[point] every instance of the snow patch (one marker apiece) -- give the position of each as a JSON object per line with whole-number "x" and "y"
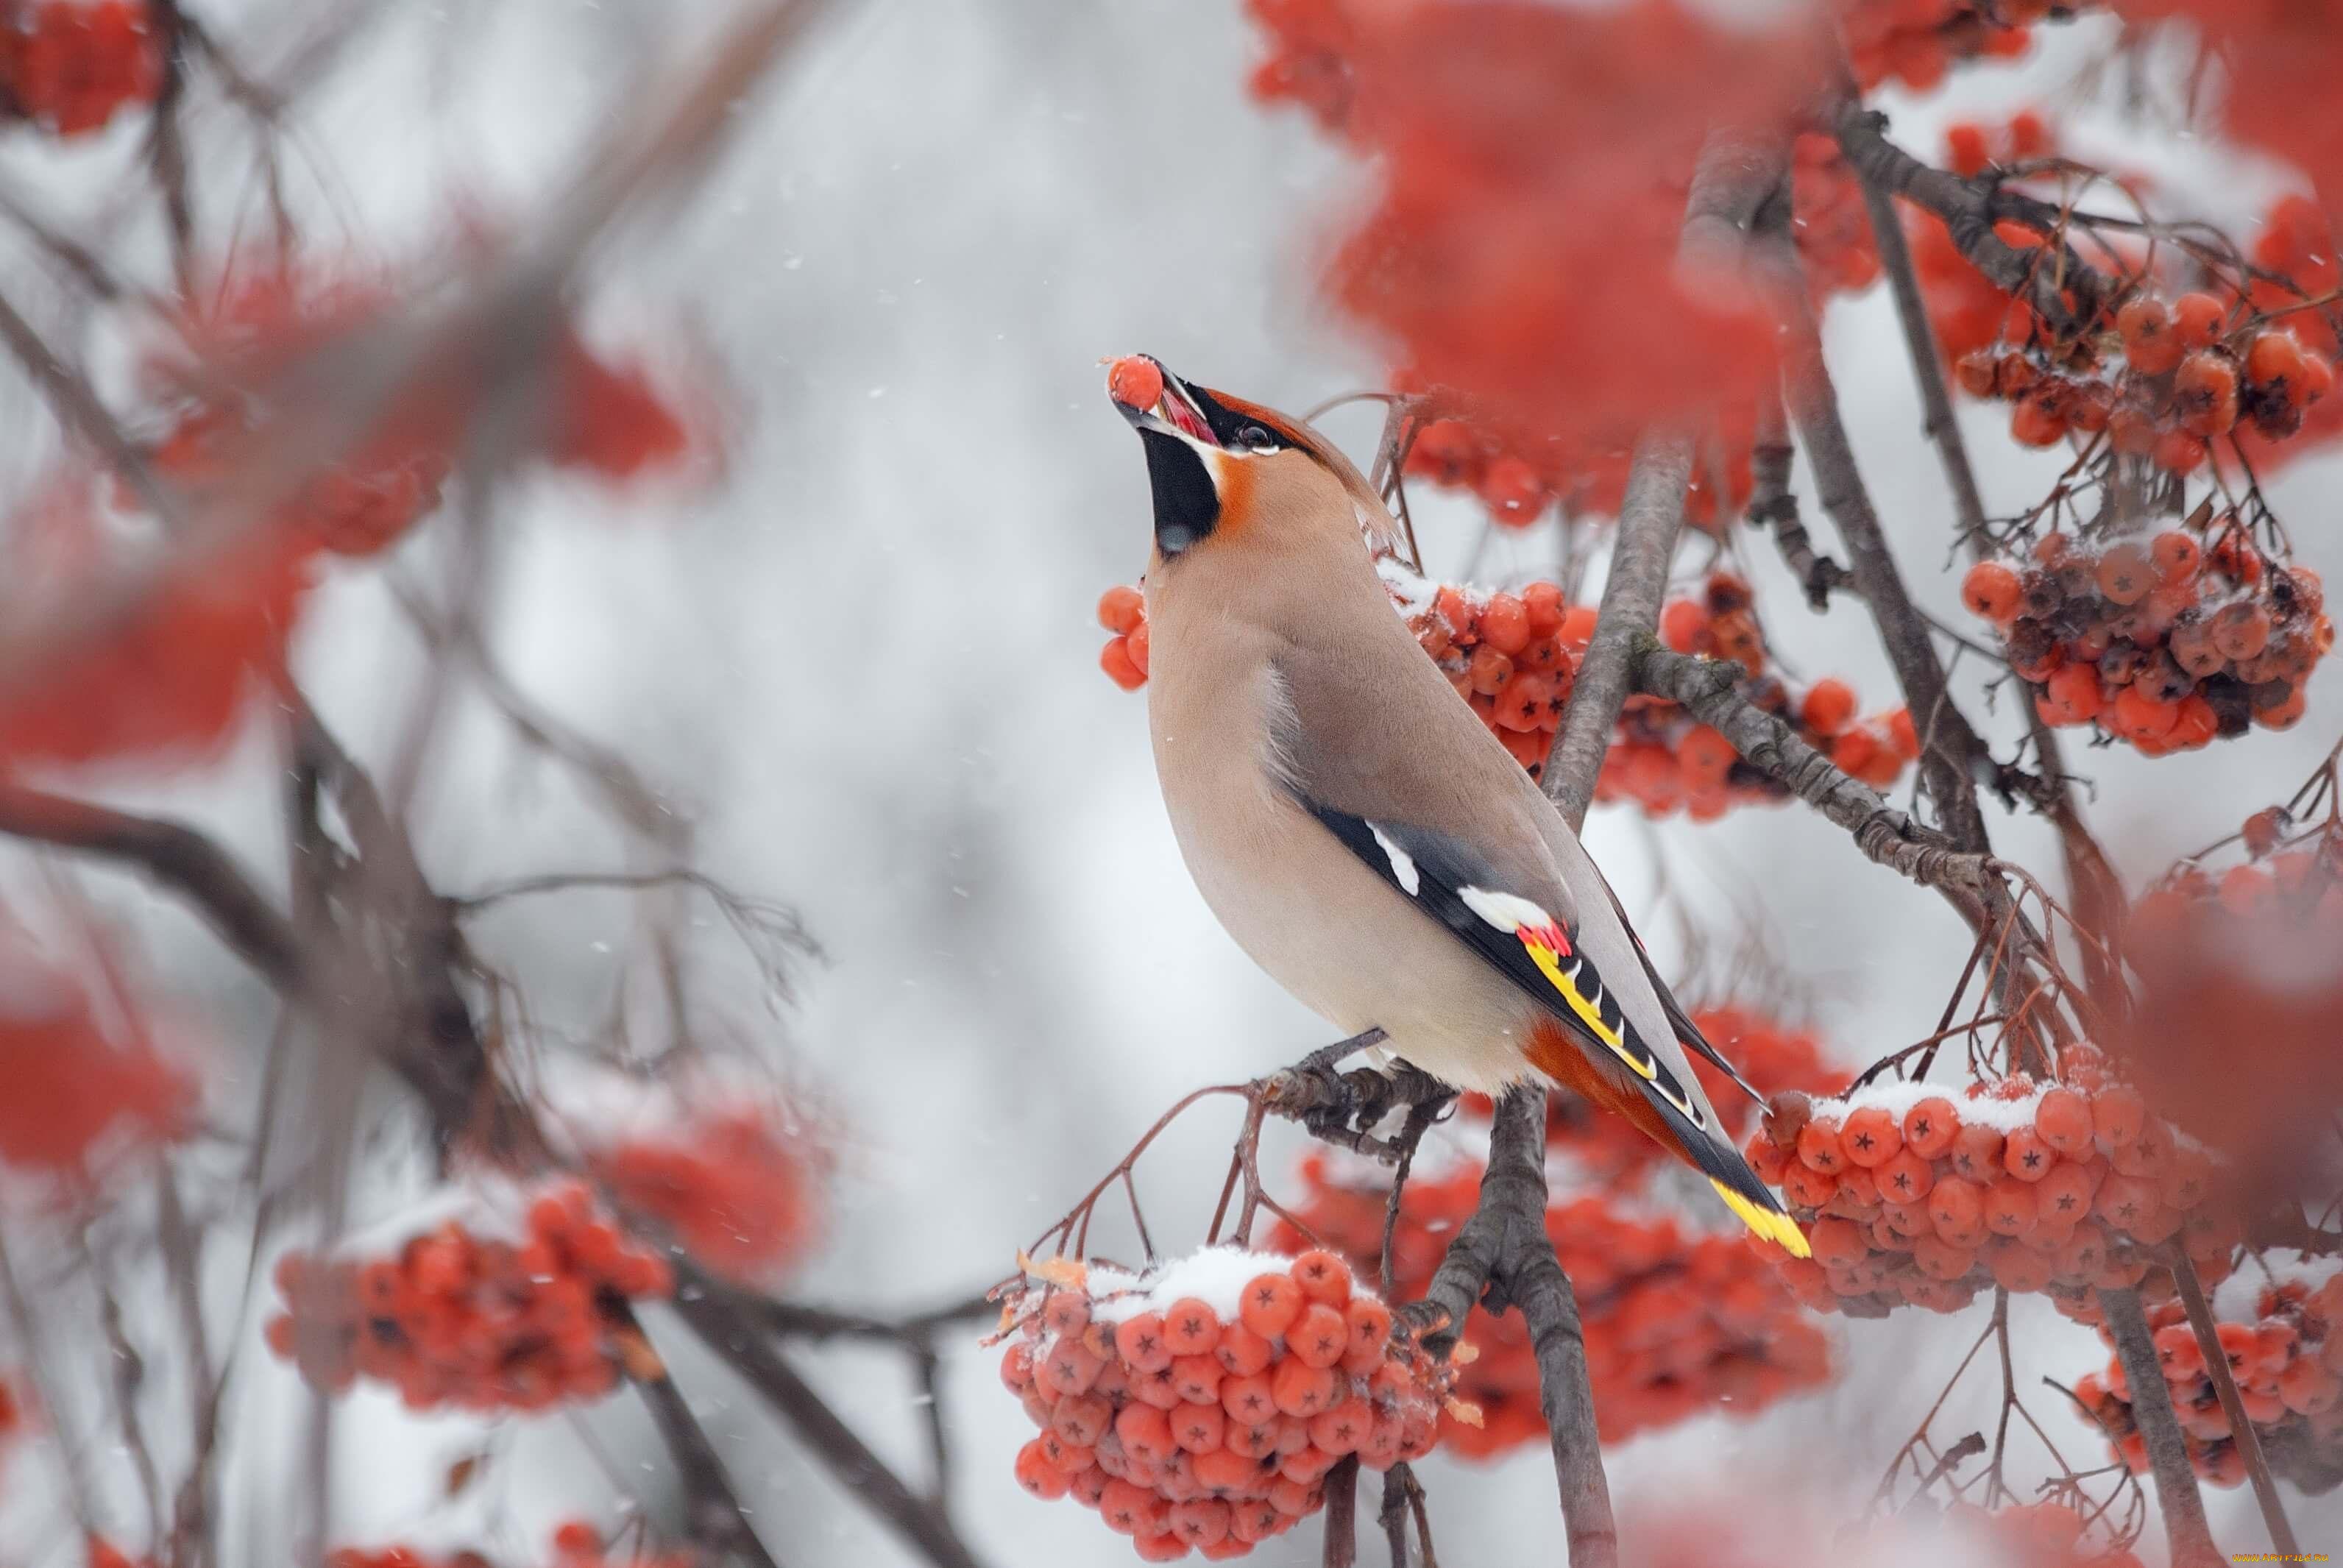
{"x": 1898, "y": 1097}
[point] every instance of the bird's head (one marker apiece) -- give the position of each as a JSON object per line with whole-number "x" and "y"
{"x": 1220, "y": 466}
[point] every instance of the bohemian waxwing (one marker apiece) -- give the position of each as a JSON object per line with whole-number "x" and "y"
{"x": 1354, "y": 826}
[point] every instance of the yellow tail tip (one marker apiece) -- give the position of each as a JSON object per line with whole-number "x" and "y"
{"x": 1770, "y": 1223}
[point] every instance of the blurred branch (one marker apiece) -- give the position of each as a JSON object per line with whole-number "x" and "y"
{"x": 79, "y": 410}
{"x": 917, "y": 1332}
{"x": 717, "y": 1522}
{"x": 726, "y": 1322}
{"x": 166, "y": 144}
{"x": 174, "y": 855}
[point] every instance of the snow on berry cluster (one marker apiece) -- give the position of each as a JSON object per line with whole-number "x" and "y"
{"x": 2286, "y": 1359}
{"x": 1772, "y": 1056}
{"x": 1676, "y": 1322}
{"x": 713, "y": 1158}
{"x": 479, "y": 1310}
{"x": 69, "y": 64}
{"x": 1199, "y": 1406}
{"x": 1912, "y": 1196}
{"x": 2168, "y": 642}
{"x": 575, "y": 1544}
{"x": 1916, "y": 42}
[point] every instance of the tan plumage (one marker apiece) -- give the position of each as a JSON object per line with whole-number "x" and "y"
{"x": 1315, "y": 765}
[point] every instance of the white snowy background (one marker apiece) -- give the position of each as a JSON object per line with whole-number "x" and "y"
{"x": 867, "y": 667}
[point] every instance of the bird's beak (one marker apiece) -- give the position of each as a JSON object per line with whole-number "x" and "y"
{"x": 1174, "y": 412}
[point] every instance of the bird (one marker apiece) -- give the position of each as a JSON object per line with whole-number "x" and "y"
{"x": 1351, "y": 823}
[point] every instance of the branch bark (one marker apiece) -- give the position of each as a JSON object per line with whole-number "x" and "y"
{"x": 2191, "y": 1539}
{"x": 726, "y": 1325}
{"x": 1649, "y": 521}
{"x": 2233, "y": 1405}
{"x": 1967, "y": 212}
{"x": 1773, "y": 505}
{"x": 1709, "y": 689}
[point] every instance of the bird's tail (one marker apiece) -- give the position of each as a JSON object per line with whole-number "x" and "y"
{"x": 1706, "y": 1149}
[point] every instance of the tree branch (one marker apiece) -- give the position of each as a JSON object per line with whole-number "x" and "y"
{"x": 718, "y": 1520}
{"x": 718, "y": 1315}
{"x": 1773, "y": 505}
{"x": 1710, "y": 690}
{"x": 1649, "y": 520}
{"x": 1967, "y": 212}
{"x": 2185, "y": 1529}
{"x": 2233, "y": 1405}
{"x": 178, "y": 857}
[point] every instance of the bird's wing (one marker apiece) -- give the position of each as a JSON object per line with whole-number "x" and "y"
{"x": 1381, "y": 753}
{"x": 1688, "y": 1033}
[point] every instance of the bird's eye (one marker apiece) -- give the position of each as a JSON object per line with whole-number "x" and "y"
{"x": 1256, "y": 438}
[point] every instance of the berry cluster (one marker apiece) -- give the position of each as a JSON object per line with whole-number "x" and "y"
{"x": 602, "y": 417}
{"x": 68, "y": 65}
{"x": 1665, "y": 757}
{"x": 2167, "y": 642}
{"x": 79, "y": 1098}
{"x": 1124, "y": 612}
{"x": 1771, "y": 1057}
{"x": 1911, "y": 1196}
{"x": 2295, "y": 256}
{"x": 2287, "y": 1360}
{"x": 1970, "y": 149}
{"x": 1199, "y": 1406}
{"x": 455, "y": 1318}
{"x": 731, "y": 1187}
{"x": 1916, "y": 42}
{"x": 1674, "y": 1324}
{"x": 1832, "y": 227}
{"x": 1514, "y": 658}
{"x": 2190, "y": 375}
{"x": 575, "y": 1545}
{"x": 2288, "y": 875}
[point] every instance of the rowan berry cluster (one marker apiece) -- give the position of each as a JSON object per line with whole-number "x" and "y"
{"x": 2192, "y": 374}
{"x": 1199, "y": 1405}
{"x": 1773, "y": 1057}
{"x": 2288, "y": 875}
{"x": 1916, "y": 42}
{"x": 1665, "y": 759}
{"x": 1124, "y": 612}
{"x": 1912, "y": 1196}
{"x": 2168, "y": 642}
{"x": 575, "y": 1543}
{"x": 2286, "y": 1359}
{"x": 601, "y": 416}
{"x": 1676, "y": 1324}
{"x": 1971, "y": 148}
{"x": 1832, "y": 226}
{"x": 69, "y": 64}
{"x": 731, "y": 1187}
{"x": 2294, "y": 280}
{"x": 453, "y": 1318}
{"x": 1512, "y": 657}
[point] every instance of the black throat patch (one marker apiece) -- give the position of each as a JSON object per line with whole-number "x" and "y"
{"x": 1186, "y": 504}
